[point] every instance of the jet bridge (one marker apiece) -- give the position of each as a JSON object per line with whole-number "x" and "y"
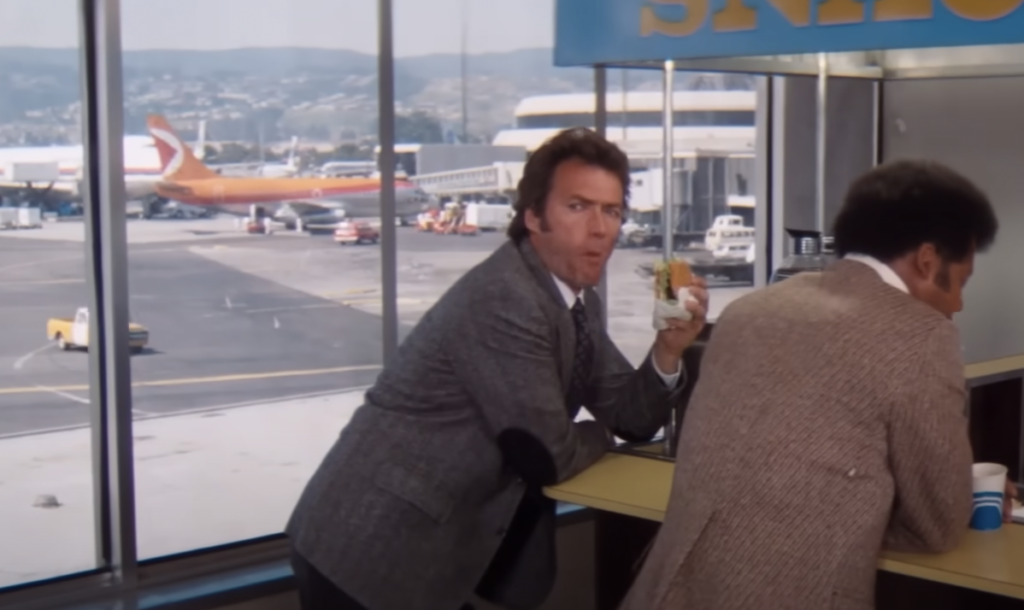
{"x": 499, "y": 178}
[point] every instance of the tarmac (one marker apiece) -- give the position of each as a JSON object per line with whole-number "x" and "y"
{"x": 260, "y": 349}
{"x": 201, "y": 479}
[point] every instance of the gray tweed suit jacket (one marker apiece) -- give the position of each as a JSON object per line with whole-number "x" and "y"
{"x": 412, "y": 502}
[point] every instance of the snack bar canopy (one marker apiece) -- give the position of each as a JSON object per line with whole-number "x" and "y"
{"x": 877, "y": 39}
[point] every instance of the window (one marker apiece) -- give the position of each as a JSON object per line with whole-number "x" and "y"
{"x": 484, "y": 56}
{"x": 46, "y": 451}
{"x": 709, "y": 188}
{"x": 261, "y": 300}
{"x": 251, "y": 278}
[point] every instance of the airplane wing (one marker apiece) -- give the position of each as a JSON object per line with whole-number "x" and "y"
{"x": 303, "y": 207}
{"x": 16, "y": 190}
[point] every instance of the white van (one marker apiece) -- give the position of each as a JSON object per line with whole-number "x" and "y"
{"x": 728, "y": 229}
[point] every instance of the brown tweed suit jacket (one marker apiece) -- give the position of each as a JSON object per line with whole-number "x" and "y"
{"x": 828, "y": 423}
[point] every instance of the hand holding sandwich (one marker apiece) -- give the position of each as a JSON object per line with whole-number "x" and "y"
{"x": 681, "y": 307}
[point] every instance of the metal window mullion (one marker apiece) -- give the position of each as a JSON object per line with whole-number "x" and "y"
{"x": 386, "y": 135}
{"x": 776, "y": 169}
{"x": 821, "y": 148}
{"x": 668, "y": 223}
{"x": 107, "y": 276}
{"x": 877, "y": 123}
{"x": 601, "y": 127}
{"x": 763, "y": 203}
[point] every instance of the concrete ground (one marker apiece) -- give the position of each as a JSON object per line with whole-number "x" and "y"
{"x": 260, "y": 348}
{"x": 202, "y": 479}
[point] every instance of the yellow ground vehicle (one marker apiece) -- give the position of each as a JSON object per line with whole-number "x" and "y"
{"x": 70, "y": 333}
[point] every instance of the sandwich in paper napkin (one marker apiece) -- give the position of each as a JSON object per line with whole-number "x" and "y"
{"x": 672, "y": 280}
{"x": 675, "y": 309}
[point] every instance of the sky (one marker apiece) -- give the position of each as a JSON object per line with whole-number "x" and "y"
{"x": 420, "y": 26}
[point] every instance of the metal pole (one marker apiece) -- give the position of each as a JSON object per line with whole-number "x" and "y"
{"x": 110, "y": 389}
{"x": 667, "y": 139}
{"x": 819, "y": 173}
{"x": 763, "y": 191}
{"x": 388, "y": 247}
{"x": 625, "y": 93}
{"x": 601, "y": 127}
{"x": 876, "y": 118}
{"x": 601, "y": 101}
{"x": 667, "y": 224}
{"x": 465, "y": 71}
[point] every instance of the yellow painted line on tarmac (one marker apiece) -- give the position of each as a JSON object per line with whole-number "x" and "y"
{"x": 39, "y": 282}
{"x": 294, "y": 308}
{"x": 45, "y": 261}
{"x": 330, "y": 294}
{"x": 197, "y": 380}
{"x": 378, "y": 301}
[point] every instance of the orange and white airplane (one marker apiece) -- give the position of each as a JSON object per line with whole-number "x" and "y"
{"x": 188, "y": 180}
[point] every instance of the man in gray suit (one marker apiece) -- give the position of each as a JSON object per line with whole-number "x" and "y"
{"x": 433, "y": 490}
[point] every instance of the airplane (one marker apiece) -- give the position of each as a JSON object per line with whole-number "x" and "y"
{"x": 63, "y": 168}
{"x": 262, "y": 169}
{"x": 282, "y": 170}
{"x": 187, "y": 180}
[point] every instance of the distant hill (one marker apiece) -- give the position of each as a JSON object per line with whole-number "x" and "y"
{"x": 279, "y": 62}
{"x": 314, "y": 93}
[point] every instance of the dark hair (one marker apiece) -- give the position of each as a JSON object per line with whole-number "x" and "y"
{"x": 576, "y": 143}
{"x": 899, "y": 206}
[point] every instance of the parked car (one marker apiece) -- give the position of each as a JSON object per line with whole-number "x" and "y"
{"x": 356, "y": 232}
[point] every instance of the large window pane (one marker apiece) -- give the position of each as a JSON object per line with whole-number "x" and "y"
{"x": 46, "y": 487}
{"x": 462, "y": 80}
{"x": 713, "y": 192}
{"x": 258, "y": 344}
{"x": 489, "y": 95}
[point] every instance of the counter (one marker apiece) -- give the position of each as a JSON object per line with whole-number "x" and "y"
{"x": 634, "y": 486}
{"x": 1011, "y": 365}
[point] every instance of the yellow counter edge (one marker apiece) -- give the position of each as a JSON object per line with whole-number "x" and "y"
{"x": 640, "y": 487}
{"x": 612, "y": 506}
{"x": 994, "y": 367}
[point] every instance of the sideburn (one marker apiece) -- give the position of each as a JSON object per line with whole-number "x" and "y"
{"x": 942, "y": 277}
{"x": 545, "y": 226}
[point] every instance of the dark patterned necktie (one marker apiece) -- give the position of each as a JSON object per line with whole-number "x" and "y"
{"x": 583, "y": 359}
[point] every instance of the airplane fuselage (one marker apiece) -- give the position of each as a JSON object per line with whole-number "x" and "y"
{"x": 357, "y": 197}
{"x": 142, "y": 167}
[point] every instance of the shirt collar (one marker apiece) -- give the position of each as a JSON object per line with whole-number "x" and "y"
{"x": 884, "y": 271}
{"x": 568, "y": 294}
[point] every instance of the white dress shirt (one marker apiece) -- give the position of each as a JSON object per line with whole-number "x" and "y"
{"x": 570, "y": 297}
{"x": 884, "y": 271}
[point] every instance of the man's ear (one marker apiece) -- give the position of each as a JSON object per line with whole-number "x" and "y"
{"x": 927, "y": 262}
{"x": 532, "y": 221}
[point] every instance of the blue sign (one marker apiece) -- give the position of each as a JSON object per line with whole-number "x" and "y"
{"x": 589, "y": 32}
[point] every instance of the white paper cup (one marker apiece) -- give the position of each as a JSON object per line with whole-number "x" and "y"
{"x": 989, "y": 488}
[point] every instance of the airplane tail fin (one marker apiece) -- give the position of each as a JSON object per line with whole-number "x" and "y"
{"x": 292, "y": 152}
{"x": 176, "y": 158}
{"x": 200, "y": 147}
